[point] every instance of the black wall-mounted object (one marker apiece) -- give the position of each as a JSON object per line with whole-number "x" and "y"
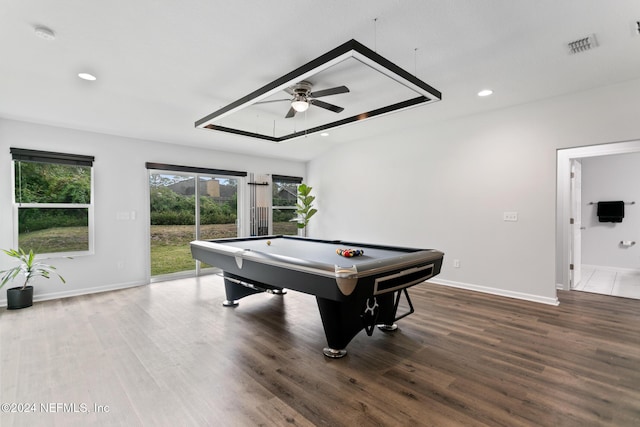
{"x": 610, "y": 211}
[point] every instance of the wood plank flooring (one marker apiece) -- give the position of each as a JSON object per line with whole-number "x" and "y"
{"x": 169, "y": 354}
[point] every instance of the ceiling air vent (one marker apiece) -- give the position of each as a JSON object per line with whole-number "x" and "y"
{"x": 583, "y": 44}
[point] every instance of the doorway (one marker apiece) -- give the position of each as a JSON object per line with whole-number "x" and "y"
{"x": 568, "y": 230}
{"x": 186, "y": 206}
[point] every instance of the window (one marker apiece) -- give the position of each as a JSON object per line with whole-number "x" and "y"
{"x": 284, "y": 198}
{"x": 188, "y": 203}
{"x": 53, "y": 201}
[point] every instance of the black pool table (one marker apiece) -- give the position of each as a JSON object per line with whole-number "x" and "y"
{"x": 353, "y": 293}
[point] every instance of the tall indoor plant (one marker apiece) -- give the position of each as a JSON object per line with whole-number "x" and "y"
{"x": 305, "y": 209}
{"x": 22, "y": 296}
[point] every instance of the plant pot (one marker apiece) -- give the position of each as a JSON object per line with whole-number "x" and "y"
{"x": 19, "y": 297}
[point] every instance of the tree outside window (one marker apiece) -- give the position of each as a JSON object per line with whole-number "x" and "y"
{"x": 53, "y": 201}
{"x": 284, "y": 198}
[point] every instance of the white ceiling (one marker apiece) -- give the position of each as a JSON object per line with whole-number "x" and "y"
{"x": 164, "y": 64}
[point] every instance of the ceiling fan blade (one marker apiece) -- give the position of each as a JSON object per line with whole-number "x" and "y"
{"x": 331, "y": 91}
{"x": 273, "y": 100}
{"x": 326, "y": 106}
{"x": 291, "y": 113}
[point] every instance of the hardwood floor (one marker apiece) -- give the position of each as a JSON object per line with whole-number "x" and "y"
{"x": 169, "y": 354}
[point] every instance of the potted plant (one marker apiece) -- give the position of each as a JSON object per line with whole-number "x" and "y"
{"x": 22, "y": 296}
{"x": 305, "y": 208}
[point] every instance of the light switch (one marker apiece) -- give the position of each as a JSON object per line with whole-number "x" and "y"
{"x": 122, "y": 216}
{"x": 510, "y": 216}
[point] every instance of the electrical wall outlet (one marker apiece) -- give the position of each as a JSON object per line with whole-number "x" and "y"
{"x": 123, "y": 216}
{"x": 456, "y": 263}
{"x": 510, "y": 216}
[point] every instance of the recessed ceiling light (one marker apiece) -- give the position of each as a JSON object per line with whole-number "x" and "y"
{"x": 485, "y": 92}
{"x": 87, "y": 76}
{"x": 45, "y": 33}
{"x": 324, "y": 134}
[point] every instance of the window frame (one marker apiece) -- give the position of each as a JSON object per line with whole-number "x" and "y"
{"x": 89, "y": 206}
{"x": 284, "y": 179}
{"x": 197, "y": 173}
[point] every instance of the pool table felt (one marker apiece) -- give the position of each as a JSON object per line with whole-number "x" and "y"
{"x": 316, "y": 251}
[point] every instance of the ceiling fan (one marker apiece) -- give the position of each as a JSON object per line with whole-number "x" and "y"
{"x": 302, "y": 98}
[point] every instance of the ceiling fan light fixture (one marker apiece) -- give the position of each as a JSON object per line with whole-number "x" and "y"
{"x": 293, "y": 83}
{"x": 300, "y": 104}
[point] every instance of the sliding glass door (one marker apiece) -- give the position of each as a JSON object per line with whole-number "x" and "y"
{"x": 186, "y": 207}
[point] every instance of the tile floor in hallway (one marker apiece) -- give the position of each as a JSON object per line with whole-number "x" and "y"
{"x": 610, "y": 281}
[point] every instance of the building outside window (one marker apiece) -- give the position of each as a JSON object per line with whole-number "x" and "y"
{"x": 189, "y": 203}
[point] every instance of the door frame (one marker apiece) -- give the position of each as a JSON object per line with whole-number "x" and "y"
{"x": 564, "y": 157}
{"x": 241, "y": 221}
{"x": 575, "y": 249}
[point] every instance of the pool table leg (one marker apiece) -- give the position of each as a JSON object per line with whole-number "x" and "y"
{"x": 387, "y": 315}
{"x": 390, "y": 316}
{"x": 333, "y": 353}
{"x": 344, "y": 320}
{"x": 230, "y": 303}
{"x": 386, "y": 318}
{"x": 341, "y": 322}
{"x": 236, "y": 288}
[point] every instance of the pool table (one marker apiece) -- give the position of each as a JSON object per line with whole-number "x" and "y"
{"x": 353, "y": 293}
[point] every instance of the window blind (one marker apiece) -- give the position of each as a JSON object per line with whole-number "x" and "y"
{"x": 193, "y": 169}
{"x": 284, "y": 178}
{"x": 37, "y": 156}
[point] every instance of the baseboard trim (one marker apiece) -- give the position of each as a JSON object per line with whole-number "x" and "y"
{"x": 438, "y": 281}
{"x": 78, "y": 292}
{"x": 496, "y": 291}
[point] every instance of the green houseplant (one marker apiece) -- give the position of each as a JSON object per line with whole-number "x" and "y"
{"x": 22, "y": 296}
{"x": 305, "y": 209}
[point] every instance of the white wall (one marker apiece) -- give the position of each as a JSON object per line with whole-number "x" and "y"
{"x": 446, "y": 185}
{"x": 606, "y": 178}
{"x": 121, "y": 185}
{"x": 436, "y": 185}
